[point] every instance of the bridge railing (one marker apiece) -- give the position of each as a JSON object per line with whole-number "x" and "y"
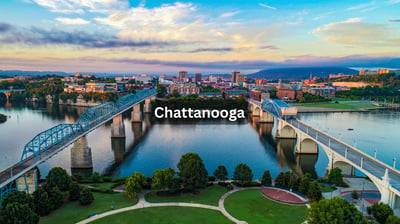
{"x": 58, "y": 136}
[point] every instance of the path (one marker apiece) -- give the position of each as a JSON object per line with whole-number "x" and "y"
{"x": 142, "y": 203}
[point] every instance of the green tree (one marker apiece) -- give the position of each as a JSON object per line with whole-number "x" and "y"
{"x": 335, "y": 210}
{"x": 17, "y": 213}
{"x": 175, "y": 93}
{"x": 96, "y": 178}
{"x": 162, "y": 179}
{"x": 280, "y": 180}
{"x": 19, "y": 197}
{"x": 314, "y": 191}
{"x": 304, "y": 185}
{"x": 74, "y": 191}
{"x": 354, "y": 194}
{"x": 86, "y": 196}
{"x": 43, "y": 205}
{"x": 161, "y": 90}
{"x": 243, "y": 173}
{"x": 56, "y": 197}
{"x": 58, "y": 177}
{"x": 381, "y": 212}
{"x": 393, "y": 220}
{"x": 221, "y": 173}
{"x": 192, "y": 171}
{"x": 134, "y": 184}
{"x": 266, "y": 178}
{"x": 335, "y": 176}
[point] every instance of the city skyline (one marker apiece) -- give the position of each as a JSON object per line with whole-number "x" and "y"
{"x": 117, "y": 36}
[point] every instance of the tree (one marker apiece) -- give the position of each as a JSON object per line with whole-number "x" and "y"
{"x": 393, "y": 220}
{"x": 96, "y": 178}
{"x": 56, "y": 197}
{"x": 17, "y": 213}
{"x": 335, "y": 210}
{"x": 221, "y": 173}
{"x": 19, "y": 197}
{"x": 74, "y": 191}
{"x": 314, "y": 191}
{"x": 161, "y": 90}
{"x": 134, "y": 184}
{"x": 354, "y": 194}
{"x": 243, "y": 173}
{"x": 280, "y": 180}
{"x": 162, "y": 179}
{"x": 381, "y": 212}
{"x": 304, "y": 185}
{"x": 266, "y": 178}
{"x": 86, "y": 196}
{"x": 175, "y": 93}
{"x": 335, "y": 176}
{"x": 43, "y": 205}
{"x": 192, "y": 171}
{"x": 58, "y": 177}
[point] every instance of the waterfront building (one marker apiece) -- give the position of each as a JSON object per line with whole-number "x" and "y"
{"x": 328, "y": 92}
{"x": 289, "y": 91}
{"x": 184, "y": 88}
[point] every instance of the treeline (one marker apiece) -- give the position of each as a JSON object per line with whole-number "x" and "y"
{"x": 311, "y": 98}
{"x": 195, "y": 102}
{"x": 102, "y": 97}
{"x": 375, "y": 93}
{"x": 388, "y": 80}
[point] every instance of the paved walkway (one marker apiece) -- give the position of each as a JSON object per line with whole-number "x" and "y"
{"x": 142, "y": 203}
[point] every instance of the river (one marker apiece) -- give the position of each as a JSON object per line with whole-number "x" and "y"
{"x": 157, "y": 144}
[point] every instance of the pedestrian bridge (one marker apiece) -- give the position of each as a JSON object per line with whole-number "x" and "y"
{"x": 22, "y": 175}
{"x": 340, "y": 154}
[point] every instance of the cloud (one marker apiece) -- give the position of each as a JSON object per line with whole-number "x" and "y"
{"x": 266, "y": 6}
{"x": 226, "y": 49}
{"x": 72, "y": 21}
{"x": 392, "y": 2}
{"x": 80, "y": 6}
{"x": 356, "y": 32}
{"x": 229, "y": 14}
{"x": 4, "y": 27}
{"x": 38, "y": 36}
{"x": 271, "y": 47}
{"x": 362, "y": 6}
{"x": 168, "y": 22}
{"x": 393, "y": 20}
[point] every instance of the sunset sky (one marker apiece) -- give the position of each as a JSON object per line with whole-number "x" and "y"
{"x": 121, "y": 36}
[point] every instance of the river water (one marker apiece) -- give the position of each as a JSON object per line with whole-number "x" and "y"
{"x": 157, "y": 144}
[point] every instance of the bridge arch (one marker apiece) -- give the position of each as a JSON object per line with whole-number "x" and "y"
{"x": 257, "y": 111}
{"x": 286, "y": 132}
{"x": 308, "y": 146}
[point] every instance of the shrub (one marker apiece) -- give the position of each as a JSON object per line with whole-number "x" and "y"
{"x": 354, "y": 194}
{"x": 381, "y": 212}
{"x": 74, "y": 191}
{"x": 58, "y": 177}
{"x": 19, "y": 197}
{"x": 43, "y": 205}
{"x": 86, "y": 196}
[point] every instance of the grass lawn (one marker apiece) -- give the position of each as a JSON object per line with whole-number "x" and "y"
{"x": 209, "y": 196}
{"x": 104, "y": 186}
{"x": 329, "y": 105}
{"x": 166, "y": 215}
{"x": 326, "y": 188}
{"x": 72, "y": 212}
{"x": 251, "y": 206}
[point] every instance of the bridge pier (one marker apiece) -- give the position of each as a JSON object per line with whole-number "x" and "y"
{"x": 81, "y": 158}
{"x": 147, "y": 105}
{"x": 118, "y": 127}
{"x": 136, "y": 115}
{"x": 28, "y": 182}
{"x": 137, "y": 131}
{"x": 266, "y": 117}
{"x": 265, "y": 129}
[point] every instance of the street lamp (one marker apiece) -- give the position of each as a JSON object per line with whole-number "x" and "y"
{"x": 375, "y": 153}
{"x": 394, "y": 162}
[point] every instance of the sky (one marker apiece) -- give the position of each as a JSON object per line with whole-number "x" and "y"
{"x": 129, "y": 36}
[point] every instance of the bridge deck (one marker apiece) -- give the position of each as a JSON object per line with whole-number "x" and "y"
{"x": 370, "y": 164}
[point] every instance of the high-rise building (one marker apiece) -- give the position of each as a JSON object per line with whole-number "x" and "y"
{"x": 183, "y": 76}
{"x": 234, "y": 76}
{"x": 240, "y": 79}
{"x": 197, "y": 77}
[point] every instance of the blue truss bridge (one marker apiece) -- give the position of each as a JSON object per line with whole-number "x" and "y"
{"x": 49, "y": 142}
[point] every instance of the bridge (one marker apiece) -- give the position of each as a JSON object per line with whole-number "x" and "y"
{"x": 22, "y": 175}
{"x": 309, "y": 140}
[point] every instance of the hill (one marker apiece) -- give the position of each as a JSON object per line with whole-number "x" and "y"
{"x": 31, "y": 73}
{"x": 301, "y": 72}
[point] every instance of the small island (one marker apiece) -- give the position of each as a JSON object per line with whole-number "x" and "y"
{"x": 3, "y": 118}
